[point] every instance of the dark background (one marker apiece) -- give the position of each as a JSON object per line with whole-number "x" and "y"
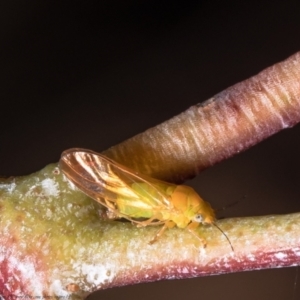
{"x": 84, "y": 74}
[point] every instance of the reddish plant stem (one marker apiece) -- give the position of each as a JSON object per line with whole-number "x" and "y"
{"x": 224, "y": 125}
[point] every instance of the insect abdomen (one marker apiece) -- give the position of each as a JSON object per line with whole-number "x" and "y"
{"x": 133, "y": 208}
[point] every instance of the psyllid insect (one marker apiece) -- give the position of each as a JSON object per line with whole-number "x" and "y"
{"x": 138, "y": 198}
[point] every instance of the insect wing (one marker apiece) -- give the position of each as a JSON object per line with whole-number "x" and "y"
{"x": 101, "y": 178}
{"x": 80, "y": 168}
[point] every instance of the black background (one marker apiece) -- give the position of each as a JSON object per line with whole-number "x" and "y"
{"x": 84, "y": 74}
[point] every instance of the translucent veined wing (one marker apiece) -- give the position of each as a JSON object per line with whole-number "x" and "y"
{"x": 110, "y": 183}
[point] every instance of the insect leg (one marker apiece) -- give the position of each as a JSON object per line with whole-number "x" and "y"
{"x": 168, "y": 224}
{"x": 191, "y": 228}
{"x": 111, "y": 212}
{"x": 150, "y": 221}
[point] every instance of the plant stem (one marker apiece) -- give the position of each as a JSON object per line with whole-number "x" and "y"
{"x": 54, "y": 242}
{"x": 228, "y": 123}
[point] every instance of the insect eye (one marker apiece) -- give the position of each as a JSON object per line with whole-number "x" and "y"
{"x": 198, "y": 218}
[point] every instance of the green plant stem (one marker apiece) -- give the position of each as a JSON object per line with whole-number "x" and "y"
{"x": 54, "y": 243}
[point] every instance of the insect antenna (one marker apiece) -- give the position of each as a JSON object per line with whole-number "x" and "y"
{"x": 231, "y": 204}
{"x": 224, "y": 235}
{"x": 295, "y": 283}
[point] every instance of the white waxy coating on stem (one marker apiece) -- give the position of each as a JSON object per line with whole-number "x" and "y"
{"x": 50, "y": 187}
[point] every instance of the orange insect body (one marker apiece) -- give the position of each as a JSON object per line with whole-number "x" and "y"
{"x": 141, "y": 199}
